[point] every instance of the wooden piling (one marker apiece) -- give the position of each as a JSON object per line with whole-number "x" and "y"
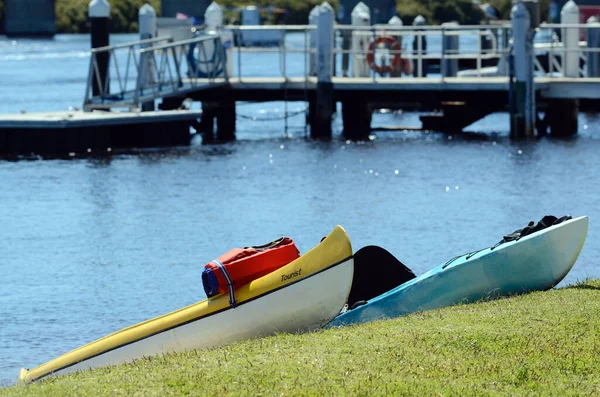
{"x": 561, "y": 117}
{"x": 147, "y": 28}
{"x": 226, "y": 117}
{"x": 207, "y": 121}
{"x": 99, "y": 14}
{"x": 321, "y": 127}
{"x": 562, "y": 114}
{"x": 356, "y": 116}
{"x": 522, "y": 117}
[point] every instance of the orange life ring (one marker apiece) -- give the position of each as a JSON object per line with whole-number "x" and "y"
{"x": 394, "y": 46}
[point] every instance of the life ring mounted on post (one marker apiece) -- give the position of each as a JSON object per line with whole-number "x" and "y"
{"x": 396, "y": 59}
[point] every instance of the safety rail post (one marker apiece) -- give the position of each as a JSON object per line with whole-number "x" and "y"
{"x": 99, "y": 14}
{"x": 450, "y": 42}
{"x": 395, "y": 23}
{"x": 486, "y": 47}
{"x": 360, "y": 39}
{"x": 570, "y": 16}
{"x": 321, "y": 122}
{"x": 420, "y": 65}
{"x": 147, "y": 29}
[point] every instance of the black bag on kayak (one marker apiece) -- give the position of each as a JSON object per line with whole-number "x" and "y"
{"x": 532, "y": 227}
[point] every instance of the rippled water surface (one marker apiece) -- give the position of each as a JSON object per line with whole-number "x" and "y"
{"x": 90, "y": 245}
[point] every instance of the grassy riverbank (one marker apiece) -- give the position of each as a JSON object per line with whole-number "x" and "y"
{"x": 545, "y": 343}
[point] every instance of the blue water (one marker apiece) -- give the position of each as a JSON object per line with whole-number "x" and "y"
{"x": 90, "y": 245}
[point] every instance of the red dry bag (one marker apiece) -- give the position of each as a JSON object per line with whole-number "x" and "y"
{"x": 242, "y": 265}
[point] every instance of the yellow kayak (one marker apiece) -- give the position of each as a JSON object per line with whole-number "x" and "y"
{"x": 300, "y": 296}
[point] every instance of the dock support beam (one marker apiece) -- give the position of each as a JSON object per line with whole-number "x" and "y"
{"x": 99, "y": 14}
{"x": 147, "y": 28}
{"x": 356, "y": 116}
{"x": 226, "y": 121}
{"x": 321, "y": 122}
{"x": 207, "y": 122}
{"x": 561, "y": 117}
{"x": 522, "y": 116}
{"x": 562, "y": 114}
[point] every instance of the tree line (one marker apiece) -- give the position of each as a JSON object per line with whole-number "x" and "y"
{"x": 71, "y": 15}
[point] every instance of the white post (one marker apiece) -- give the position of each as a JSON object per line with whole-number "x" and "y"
{"x": 215, "y": 22}
{"x": 313, "y": 18}
{"x": 420, "y": 65}
{"x": 360, "y": 16}
{"x": 213, "y": 17}
{"x": 396, "y": 22}
{"x": 147, "y": 29}
{"x": 523, "y": 120}
{"x": 147, "y": 22}
{"x": 593, "y": 43}
{"x": 325, "y": 42}
{"x": 570, "y": 15}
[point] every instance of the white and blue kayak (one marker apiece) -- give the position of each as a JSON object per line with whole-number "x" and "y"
{"x": 535, "y": 258}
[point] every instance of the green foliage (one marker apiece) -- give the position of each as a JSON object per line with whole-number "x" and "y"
{"x": 436, "y": 12}
{"x": 298, "y": 10}
{"x": 464, "y": 12}
{"x": 540, "y": 344}
{"x": 71, "y": 15}
{"x": 408, "y": 10}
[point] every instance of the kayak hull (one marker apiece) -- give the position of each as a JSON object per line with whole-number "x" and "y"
{"x": 303, "y": 295}
{"x": 536, "y": 262}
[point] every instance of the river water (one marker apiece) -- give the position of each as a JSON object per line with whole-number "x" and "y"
{"x": 92, "y": 244}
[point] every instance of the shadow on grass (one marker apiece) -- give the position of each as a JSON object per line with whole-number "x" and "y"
{"x": 587, "y": 283}
{"x": 585, "y": 286}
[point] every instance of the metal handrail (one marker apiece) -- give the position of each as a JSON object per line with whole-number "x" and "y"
{"x": 132, "y": 44}
{"x": 156, "y": 69}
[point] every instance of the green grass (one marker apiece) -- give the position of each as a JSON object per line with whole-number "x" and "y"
{"x": 540, "y": 344}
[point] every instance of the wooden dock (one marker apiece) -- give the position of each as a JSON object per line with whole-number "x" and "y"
{"x": 92, "y": 133}
{"x": 201, "y": 68}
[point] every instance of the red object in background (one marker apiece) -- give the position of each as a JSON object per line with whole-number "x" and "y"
{"x": 585, "y": 12}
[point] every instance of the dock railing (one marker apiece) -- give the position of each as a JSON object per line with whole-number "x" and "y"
{"x": 436, "y": 52}
{"x": 146, "y": 70}
{"x": 564, "y": 61}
